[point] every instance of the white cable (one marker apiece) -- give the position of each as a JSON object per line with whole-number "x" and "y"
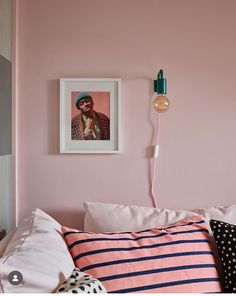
{"x": 155, "y": 155}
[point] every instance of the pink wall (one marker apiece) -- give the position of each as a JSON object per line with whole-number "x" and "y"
{"x": 192, "y": 40}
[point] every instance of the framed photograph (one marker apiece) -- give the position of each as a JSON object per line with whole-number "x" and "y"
{"x": 90, "y": 115}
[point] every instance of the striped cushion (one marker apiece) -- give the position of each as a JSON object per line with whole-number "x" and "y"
{"x": 172, "y": 259}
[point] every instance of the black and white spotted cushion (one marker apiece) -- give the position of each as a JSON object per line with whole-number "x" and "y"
{"x": 225, "y": 237}
{"x": 80, "y": 282}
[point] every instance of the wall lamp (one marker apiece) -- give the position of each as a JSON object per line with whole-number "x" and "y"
{"x": 161, "y": 102}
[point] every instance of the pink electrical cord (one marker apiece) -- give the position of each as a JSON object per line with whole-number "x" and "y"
{"x": 155, "y": 155}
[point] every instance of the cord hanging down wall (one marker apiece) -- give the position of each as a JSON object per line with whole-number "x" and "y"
{"x": 161, "y": 105}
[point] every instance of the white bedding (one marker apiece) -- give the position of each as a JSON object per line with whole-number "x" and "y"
{"x": 36, "y": 248}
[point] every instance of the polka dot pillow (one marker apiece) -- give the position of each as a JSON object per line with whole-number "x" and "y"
{"x": 225, "y": 237}
{"x": 81, "y": 283}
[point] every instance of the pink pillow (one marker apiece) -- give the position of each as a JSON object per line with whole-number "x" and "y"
{"x": 171, "y": 259}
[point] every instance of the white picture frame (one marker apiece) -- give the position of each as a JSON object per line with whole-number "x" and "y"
{"x": 106, "y": 98}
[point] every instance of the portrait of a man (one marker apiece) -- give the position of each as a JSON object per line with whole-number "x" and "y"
{"x": 87, "y": 122}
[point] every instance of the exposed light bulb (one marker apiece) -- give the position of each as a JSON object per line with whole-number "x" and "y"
{"x": 161, "y": 103}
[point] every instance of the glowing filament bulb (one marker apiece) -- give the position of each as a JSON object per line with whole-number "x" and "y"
{"x": 161, "y": 103}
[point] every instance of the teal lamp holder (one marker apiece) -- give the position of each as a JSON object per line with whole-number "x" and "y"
{"x": 160, "y": 84}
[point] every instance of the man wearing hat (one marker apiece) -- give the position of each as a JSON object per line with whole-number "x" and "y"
{"x": 89, "y": 124}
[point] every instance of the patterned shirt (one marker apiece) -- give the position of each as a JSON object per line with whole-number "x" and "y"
{"x": 92, "y": 133}
{"x": 78, "y": 127}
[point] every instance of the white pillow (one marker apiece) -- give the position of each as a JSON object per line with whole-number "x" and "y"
{"x": 102, "y": 217}
{"x": 39, "y": 252}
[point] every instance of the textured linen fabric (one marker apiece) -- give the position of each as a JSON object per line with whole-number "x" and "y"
{"x": 39, "y": 252}
{"x": 173, "y": 259}
{"x": 5, "y": 241}
{"x": 81, "y": 282}
{"x": 225, "y": 236}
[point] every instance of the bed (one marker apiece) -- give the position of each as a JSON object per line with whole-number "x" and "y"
{"x": 128, "y": 249}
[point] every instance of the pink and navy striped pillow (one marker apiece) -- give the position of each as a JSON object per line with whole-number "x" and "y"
{"x": 172, "y": 259}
